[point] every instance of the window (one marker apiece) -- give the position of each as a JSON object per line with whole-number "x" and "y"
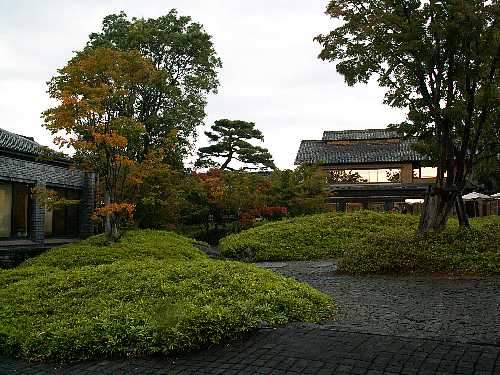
{"x": 359, "y": 176}
{"x": 425, "y": 172}
{"x": 20, "y": 197}
{"x": 63, "y": 220}
{"x": 14, "y": 207}
{"x": 5, "y": 210}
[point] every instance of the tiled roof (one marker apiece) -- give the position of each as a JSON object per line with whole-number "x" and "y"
{"x": 321, "y": 152}
{"x": 345, "y": 135}
{"x": 18, "y": 143}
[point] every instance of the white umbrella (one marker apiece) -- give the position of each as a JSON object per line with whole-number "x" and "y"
{"x": 414, "y": 201}
{"x": 473, "y": 196}
{"x": 496, "y": 196}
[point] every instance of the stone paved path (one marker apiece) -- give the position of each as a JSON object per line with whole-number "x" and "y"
{"x": 450, "y": 308}
{"x": 386, "y": 325}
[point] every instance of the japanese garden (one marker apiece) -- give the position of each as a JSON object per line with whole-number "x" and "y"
{"x": 147, "y": 239}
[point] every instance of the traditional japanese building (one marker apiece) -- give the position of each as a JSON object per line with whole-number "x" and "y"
{"x": 373, "y": 168}
{"x": 26, "y": 226}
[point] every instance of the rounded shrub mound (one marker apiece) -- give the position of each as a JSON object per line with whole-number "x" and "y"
{"x": 369, "y": 242}
{"x": 473, "y": 251}
{"x": 310, "y": 237}
{"x": 134, "y": 245}
{"x": 154, "y": 300}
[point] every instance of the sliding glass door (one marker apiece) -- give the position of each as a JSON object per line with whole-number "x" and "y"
{"x": 14, "y": 210}
{"x": 5, "y": 209}
{"x": 20, "y": 196}
{"x": 63, "y": 221}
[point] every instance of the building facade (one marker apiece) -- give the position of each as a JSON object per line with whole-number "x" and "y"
{"x": 26, "y": 225}
{"x": 372, "y": 169}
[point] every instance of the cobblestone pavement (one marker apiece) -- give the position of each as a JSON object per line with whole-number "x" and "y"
{"x": 385, "y": 325}
{"x": 300, "y": 349}
{"x": 451, "y": 308}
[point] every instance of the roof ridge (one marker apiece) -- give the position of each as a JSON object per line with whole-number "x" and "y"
{"x": 359, "y": 130}
{"x": 17, "y": 142}
{"x": 359, "y": 134}
{"x": 31, "y": 139}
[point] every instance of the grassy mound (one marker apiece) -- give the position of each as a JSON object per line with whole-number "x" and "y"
{"x": 369, "y": 242}
{"x": 475, "y": 251}
{"x": 310, "y": 237}
{"x": 151, "y": 293}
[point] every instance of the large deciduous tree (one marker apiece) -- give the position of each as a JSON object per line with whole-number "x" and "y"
{"x": 185, "y": 53}
{"x": 97, "y": 93}
{"x": 230, "y": 142}
{"x": 438, "y": 59}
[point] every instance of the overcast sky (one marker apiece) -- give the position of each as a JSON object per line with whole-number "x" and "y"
{"x": 270, "y": 75}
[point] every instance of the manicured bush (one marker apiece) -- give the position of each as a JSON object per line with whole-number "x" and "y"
{"x": 134, "y": 245}
{"x": 309, "y": 237}
{"x": 151, "y": 293}
{"x": 475, "y": 251}
{"x": 369, "y": 242}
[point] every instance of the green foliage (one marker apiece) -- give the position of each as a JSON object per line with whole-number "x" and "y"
{"x": 210, "y": 205}
{"x": 454, "y": 250}
{"x": 150, "y": 293}
{"x": 134, "y": 245}
{"x": 487, "y": 174}
{"x": 309, "y": 237}
{"x": 184, "y": 53}
{"x": 51, "y": 199}
{"x": 369, "y": 242}
{"x": 161, "y": 196}
{"x": 301, "y": 190}
{"x": 440, "y": 60}
{"x": 230, "y": 141}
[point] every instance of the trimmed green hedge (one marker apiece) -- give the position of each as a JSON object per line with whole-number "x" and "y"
{"x": 310, "y": 237}
{"x": 135, "y": 245}
{"x": 369, "y": 242}
{"x": 151, "y": 293}
{"x": 475, "y": 251}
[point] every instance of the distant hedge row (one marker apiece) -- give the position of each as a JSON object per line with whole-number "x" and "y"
{"x": 369, "y": 242}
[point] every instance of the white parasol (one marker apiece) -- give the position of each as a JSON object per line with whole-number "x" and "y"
{"x": 473, "y": 196}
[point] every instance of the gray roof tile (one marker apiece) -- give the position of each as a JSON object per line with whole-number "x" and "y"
{"x": 18, "y": 143}
{"x": 321, "y": 152}
{"x": 344, "y": 135}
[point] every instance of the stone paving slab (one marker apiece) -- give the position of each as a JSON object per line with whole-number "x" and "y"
{"x": 298, "y": 349}
{"x": 463, "y": 309}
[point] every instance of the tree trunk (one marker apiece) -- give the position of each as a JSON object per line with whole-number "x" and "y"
{"x": 438, "y": 205}
{"x": 437, "y": 208}
{"x": 463, "y": 219}
{"x": 110, "y": 224}
{"x": 228, "y": 160}
{"x": 115, "y": 233}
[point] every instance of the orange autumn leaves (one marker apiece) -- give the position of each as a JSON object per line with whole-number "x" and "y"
{"x": 97, "y": 94}
{"x": 122, "y": 209}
